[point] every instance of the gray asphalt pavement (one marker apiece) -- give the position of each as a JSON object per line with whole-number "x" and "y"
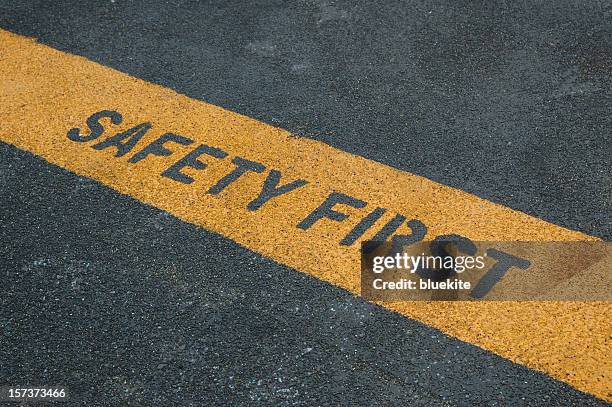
{"x": 129, "y": 306}
{"x": 508, "y": 100}
{"x": 126, "y": 305}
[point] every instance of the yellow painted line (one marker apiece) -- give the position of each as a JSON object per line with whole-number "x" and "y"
{"x": 47, "y": 95}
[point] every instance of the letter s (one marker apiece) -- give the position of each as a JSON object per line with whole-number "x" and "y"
{"x": 93, "y": 122}
{"x": 480, "y": 262}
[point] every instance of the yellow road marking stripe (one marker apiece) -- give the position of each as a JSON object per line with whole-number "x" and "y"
{"x": 44, "y": 93}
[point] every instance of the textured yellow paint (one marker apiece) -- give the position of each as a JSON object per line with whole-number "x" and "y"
{"x": 45, "y": 92}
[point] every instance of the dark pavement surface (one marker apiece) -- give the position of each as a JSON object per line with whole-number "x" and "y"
{"x": 129, "y": 306}
{"x": 507, "y": 100}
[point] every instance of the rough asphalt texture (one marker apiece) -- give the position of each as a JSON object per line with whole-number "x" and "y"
{"x": 127, "y": 305}
{"x": 507, "y": 100}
